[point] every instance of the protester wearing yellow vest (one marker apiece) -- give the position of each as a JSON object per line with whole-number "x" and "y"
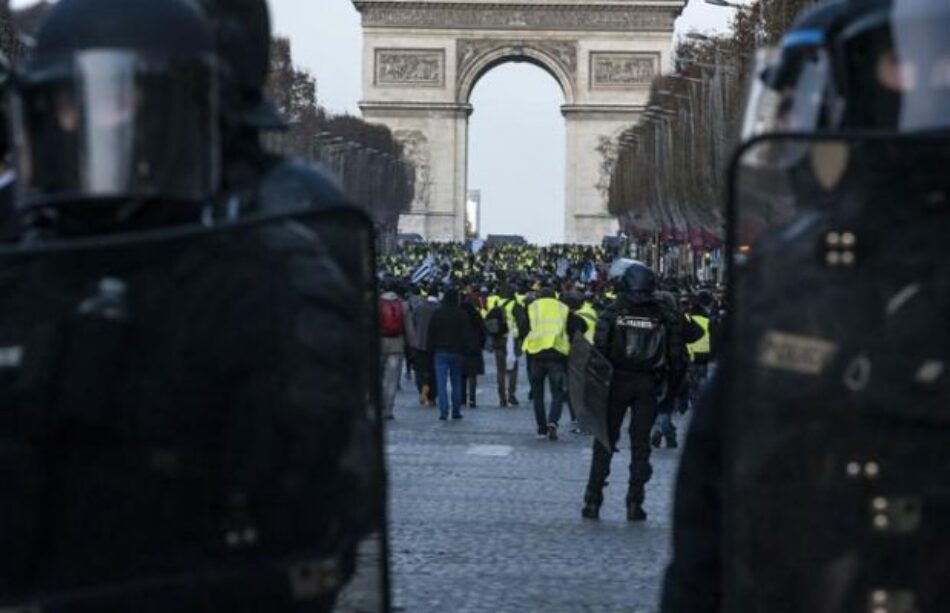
{"x": 551, "y": 325}
{"x": 589, "y": 315}
{"x": 699, "y": 351}
{"x": 504, "y": 343}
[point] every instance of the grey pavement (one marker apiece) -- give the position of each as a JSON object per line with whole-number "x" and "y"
{"x": 485, "y": 517}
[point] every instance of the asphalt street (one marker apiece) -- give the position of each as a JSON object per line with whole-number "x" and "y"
{"x": 485, "y": 517}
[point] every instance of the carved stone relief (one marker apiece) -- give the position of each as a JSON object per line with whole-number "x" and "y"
{"x": 622, "y": 69}
{"x": 564, "y": 52}
{"x": 521, "y": 17}
{"x": 416, "y": 147}
{"x": 412, "y": 67}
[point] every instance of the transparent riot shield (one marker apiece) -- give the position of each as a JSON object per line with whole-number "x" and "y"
{"x": 837, "y": 397}
{"x": 191, "y": 421}
{"x": 589, "y": 375}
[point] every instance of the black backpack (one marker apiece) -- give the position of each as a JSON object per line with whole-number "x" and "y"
{"x": 496, "y": 322}
{"x": 640, "y": 341}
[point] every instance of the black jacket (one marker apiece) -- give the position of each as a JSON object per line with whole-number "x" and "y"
{"x": 450, "y": 331}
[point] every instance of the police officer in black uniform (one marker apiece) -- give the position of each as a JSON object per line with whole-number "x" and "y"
{"x": 640, "y": 338}
{"x": 172, "y": 437}
{"x": 821, "y": 446}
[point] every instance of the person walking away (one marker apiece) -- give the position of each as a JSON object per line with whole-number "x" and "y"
{"x": 518, "y": 327}
{"x": 421, "y": 318}
{"x": 392, "y": 330}
{"x": 551, "y": 324}
{"x": 474, "y": 362}
{"x": 413, "y": 300}
{"x": 701, "y": 351}
{"x": 575, "y": 301}
{"x": 498, "y": 329}
{"x": 449, "y": 336}
{"x": 675, "y": 392}
{"x": 635, "y": 334}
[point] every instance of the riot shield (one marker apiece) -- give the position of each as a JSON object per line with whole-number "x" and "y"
{"x": 588, "y": 384}
{"x": 191, "y": 421}
{"x": 837, "y": 463}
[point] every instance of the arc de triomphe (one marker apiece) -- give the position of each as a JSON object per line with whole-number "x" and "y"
{"x": 422, "y": 59}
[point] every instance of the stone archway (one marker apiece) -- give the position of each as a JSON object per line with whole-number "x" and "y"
{"x": 423, "y": 58}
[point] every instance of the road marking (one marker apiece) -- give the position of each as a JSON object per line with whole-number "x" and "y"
{"x": 492, "y": 451}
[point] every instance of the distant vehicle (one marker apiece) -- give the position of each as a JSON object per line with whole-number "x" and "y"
{"x": 497, "y": 240}
{"x": 404, "y": 239}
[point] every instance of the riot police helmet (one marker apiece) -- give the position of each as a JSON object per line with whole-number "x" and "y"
{"x": 893, "y": 61}
{"x": 242, "y": 33}
{"x": 633, "y": 279}
{"x": 117, "y": 102}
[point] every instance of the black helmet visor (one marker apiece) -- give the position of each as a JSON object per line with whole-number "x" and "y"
{"x": 112, "y": 124}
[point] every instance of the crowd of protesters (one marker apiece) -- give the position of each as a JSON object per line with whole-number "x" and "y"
{"x": 445, "y": 305}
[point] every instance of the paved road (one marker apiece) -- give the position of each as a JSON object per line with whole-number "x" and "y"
{"x": 486, "y": 518}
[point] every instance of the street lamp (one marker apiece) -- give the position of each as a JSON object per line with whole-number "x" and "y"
{"x": 694, "y": 35}
{"x": 680, "y": 77}
{"x": 726, "y": 4}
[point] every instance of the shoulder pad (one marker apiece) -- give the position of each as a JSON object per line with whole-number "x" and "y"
{"x": 294, "y": 184}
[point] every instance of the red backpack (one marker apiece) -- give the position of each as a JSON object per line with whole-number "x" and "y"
{"x": 391, "y": 318}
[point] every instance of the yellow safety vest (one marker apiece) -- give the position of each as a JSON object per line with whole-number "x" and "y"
{"x": 589, "y": 315}
{"x": 548, "y": 318}
{"x": 509, "y": 307}
{"x": 490, "y": 304}
{"x": 702, "y": 345}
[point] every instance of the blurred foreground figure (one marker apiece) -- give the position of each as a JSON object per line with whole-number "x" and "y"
{"x": 816, "y": 475}
{"x": 174, "y": 436}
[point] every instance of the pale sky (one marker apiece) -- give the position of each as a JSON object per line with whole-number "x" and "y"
{"x": 517, "y": 132}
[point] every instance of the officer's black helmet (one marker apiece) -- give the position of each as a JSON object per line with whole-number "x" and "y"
{"x": 633, "y": 278}
{"x": 118, "y": 102}
{"x": 242, "y": 31}
{"x": 892, "y": 58}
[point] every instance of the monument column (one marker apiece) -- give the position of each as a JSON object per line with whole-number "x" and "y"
{"x": 435, "y": 138}
{"x": 591, "y": 132}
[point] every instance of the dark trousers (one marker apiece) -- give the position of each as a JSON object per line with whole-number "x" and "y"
{"x": 425, "y": 371}
{"x": 469, "y": 383}
{"x": 555, "y": 372}
{"x": 636, "y": 390}
{"x": 507, "y": 379}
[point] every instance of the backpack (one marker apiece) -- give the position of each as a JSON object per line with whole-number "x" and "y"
{"x": 640, "y": 342}
{"x": 391, "y": 318}
{"x": 496, "y": 322}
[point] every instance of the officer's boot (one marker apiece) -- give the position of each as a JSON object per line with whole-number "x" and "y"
{"x": 635, "y": 510}
{"x": 671, "y": 441}
{"x": 593, "y": 498}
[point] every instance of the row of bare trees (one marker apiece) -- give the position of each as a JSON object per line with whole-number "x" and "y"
{"x": 365, "y": 158}
{"x": 668, "y": 173}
